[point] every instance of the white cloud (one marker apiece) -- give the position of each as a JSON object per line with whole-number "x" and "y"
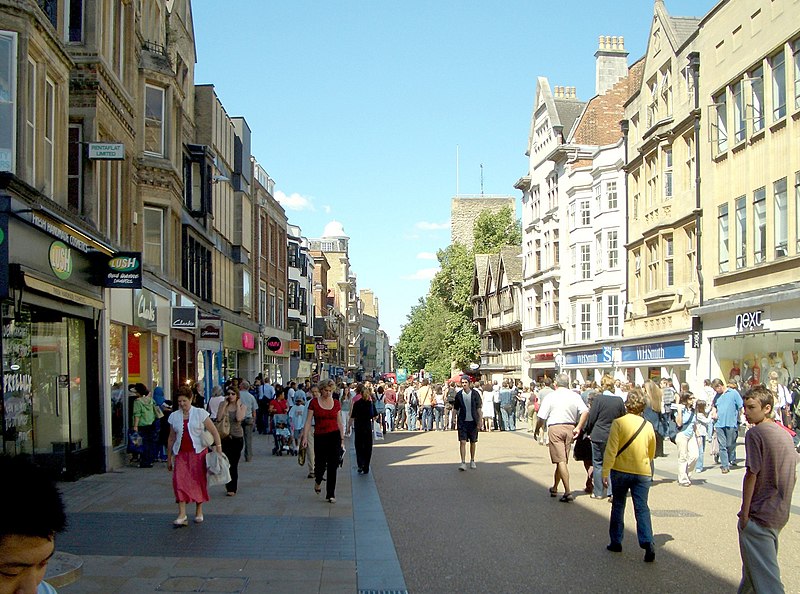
{"x": 426, "y": 226}
{"x": 426, "y": 256}
{"x": 423, "y": 274}
{"x": 294, "y": 201}
{"x": 326, "y": 209}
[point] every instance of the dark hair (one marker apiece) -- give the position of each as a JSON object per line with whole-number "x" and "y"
{"x": 762, "y": 395}
{"x": 33, "y": 505}
{"x": 141, "y": 389}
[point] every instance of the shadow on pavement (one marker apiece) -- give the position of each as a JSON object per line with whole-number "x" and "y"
{"x": 495, "y": 529}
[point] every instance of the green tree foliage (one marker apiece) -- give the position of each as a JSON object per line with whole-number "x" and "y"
{"x": 495, "y": 230}
{"x": 440, "y": 330}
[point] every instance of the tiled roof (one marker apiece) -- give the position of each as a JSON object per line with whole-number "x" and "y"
{"x": 568, "y": 110}
{"x": 684, "y": 27}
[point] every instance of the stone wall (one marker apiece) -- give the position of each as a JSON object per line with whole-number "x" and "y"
{"x": 465, "y": 209}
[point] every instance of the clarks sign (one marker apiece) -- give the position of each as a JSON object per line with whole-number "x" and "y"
{"x": 184, "y": 317}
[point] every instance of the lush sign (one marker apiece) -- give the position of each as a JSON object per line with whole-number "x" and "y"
{"x": 60, "y": 260}
{"x": 124, "y": 271}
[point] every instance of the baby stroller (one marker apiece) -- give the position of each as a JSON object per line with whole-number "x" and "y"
{"x": 283, "y": 437}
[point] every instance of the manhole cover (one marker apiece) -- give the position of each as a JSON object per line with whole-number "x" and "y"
{"x": 673, "y": 513}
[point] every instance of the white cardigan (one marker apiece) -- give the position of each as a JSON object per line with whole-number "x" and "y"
{"x": 197, "y": 419}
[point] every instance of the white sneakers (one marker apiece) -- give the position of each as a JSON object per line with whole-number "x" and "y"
{"x": 473, "y": 465}
{"x": 463, "y": 465}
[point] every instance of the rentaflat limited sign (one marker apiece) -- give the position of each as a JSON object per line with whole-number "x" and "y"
{"x": 106, "y": 151}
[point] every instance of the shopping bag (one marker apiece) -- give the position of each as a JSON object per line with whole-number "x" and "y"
{"x": 218, "y": 469}
{"x": 135, "y": 442}
{"x": 377, "y": 430}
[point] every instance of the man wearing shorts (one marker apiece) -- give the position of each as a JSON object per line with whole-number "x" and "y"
{"x": 468, "y": 405}
{"x": 565, "y": 413}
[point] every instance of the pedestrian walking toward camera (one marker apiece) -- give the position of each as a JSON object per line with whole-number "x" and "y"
{"x": 769, "y": 481}
{"x": 686, "y": 439}
{"x": 727, "y": 405}
{"x": 324, "y": 411}
{"x": 565, "y": 413}
{"x": 606, "y": 407}
{"x": 628, "y": 464}
{"x": 233, "y": 444}
{"x": 468, "y": 405}
{"x": 251, "y": 411}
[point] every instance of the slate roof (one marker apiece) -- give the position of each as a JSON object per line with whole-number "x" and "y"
{"x": 569, "y": 110}
{"x": 481, "y": 265}
{"x": 512, "y": 262}
{"x": 684, "y": 27}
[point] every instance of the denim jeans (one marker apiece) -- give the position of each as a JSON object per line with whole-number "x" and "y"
{"x": 427, "y": 418}
{"x": 727, "y": 445}
{"x": 701, "y": 448}
{"x": 411, "y": 414}
{"x": 508, "y": 419}
{"x": 598, "y": 450}
{"x": 390, "y": 417}
{"x": 438, "y": 417}
{"x": 639, "y": 486}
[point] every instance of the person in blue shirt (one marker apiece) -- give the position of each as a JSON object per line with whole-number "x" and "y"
{"x": 727, "y": 404}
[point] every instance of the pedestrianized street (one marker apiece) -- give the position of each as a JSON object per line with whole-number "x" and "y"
{"x": 415, "y": 523}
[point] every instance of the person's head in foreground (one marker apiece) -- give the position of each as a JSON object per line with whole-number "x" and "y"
{"x": 32, "y": 515}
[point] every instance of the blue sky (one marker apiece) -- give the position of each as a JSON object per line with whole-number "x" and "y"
{"x": 357, "y": 108}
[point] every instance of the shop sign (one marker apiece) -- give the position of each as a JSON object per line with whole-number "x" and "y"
{"x": 590, "y": 357}
{"x": 544, "y": 357}
{"x": 332, "y": 344}
{"x": 210, "y": 326}
{"x": 310, "y": 348}
{"x": 124, "y": 271}
{"x": 184, "y": 317}
{"x": 5, "y": 206}
{"x": 61, "y": 231}
{"x": 248, "y": 341}
{"x": 274, "y": 344}
{"x": 60, "y": 257}
{"x": 294, "y": 345}
{"x": 144, "y": 309}
{"x": 749, "y": 321}
{"x": 106, "y": 151}
{"x": 697, "y": 332}
{"x": 657, "y": 351}
{"x": 321, "y": 347}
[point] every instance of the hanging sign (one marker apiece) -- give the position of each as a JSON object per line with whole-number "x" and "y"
{"x": 184, "y": 317}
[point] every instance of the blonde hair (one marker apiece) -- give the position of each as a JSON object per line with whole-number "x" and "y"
{"x": 607, "y": 383}
{"x": 653, "y": 395}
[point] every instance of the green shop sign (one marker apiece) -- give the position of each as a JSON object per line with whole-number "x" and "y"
{"x": 60, "y": 260}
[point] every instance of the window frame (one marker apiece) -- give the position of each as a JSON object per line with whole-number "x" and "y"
{"x": 740, "y": 222}
{"x": 777, "y": 64}
{"x": 612, "y": 199}
{"x": 760, "y": 225}
{"x": 147, "y": 221}
{"x": 10, "y": 105}
{"x": 163, "y": 123}
{"x": 756, "y": 78}
{"x": 612, "y": 309}
{"x": 723, "y": 238}
{"x": 668, "y": 186}
{"x": 586, "y": 261}
{"x": 721, "y": 118}
{"x": 669, "y": 262}
{"x": 612, "y": 245}
{"x": 48, "y": 135}
{"x": 781, "y": 223}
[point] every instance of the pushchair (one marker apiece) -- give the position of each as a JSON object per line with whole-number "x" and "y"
{"x": 282, "y": 435}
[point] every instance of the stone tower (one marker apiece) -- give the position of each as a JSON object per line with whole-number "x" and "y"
{"x": 465, "y": 209}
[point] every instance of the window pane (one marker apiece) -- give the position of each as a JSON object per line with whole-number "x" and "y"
{"x": 760, "y": 225}
{"x": 154, "y": 121}
{"x": 738, "y": 112}
{"x": 8, "y": 120}
{"x": 797, "y": 210}
{"x": 757, "y": 87}
{"x": 153, "y": 237}
{"x": 723, "y": 237}
{"x": 741, "y": 232}
{"x": 721, "y": 104}
{"x": 778, "y": 87}
{"x": 781, "y": 219}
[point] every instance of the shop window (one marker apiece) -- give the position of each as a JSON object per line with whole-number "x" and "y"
{"x": 117, "y": 378}
{"x": 154, "y": 121}
{"x": 760, "y": 225}
{"x": 781, "y": 219}
{"x": 757, "y": 98}
{"x": 8, "y": 100}
{"x": 778, "y": 66}
{"x": 722, "y": 231}
{"x": 741, "y": 232}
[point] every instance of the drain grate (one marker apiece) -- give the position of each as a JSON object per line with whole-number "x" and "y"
{"x": 673, "y": 513}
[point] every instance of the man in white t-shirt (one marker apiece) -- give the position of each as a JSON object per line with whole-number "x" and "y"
{"x": 566, "y": 414}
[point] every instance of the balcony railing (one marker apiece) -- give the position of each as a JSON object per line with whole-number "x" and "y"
{"x": 154, "y": 48}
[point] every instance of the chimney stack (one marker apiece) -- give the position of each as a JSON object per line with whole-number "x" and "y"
{"x": 611, "y": 62}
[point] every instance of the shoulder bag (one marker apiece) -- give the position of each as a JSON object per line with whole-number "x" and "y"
{"x": 223, "y": 424}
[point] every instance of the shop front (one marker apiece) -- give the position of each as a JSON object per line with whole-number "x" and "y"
{"x": 52, "y": 405}
{"x": 240, "y": 354}
{"x": 654, "y": 360}
{"x": 540, "y": 365}
{"x": 589, "y": 365}
{"x": 744, "y": 339}
{"x": 277, "y": 361}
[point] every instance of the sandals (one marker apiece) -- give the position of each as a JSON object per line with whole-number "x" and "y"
{"x": 553, "y": 492}
{"x": 317, "y": 488}
{"x": 566, "y": 498}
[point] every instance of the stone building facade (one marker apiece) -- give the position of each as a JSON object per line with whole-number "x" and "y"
{"x": 465, "y": 209}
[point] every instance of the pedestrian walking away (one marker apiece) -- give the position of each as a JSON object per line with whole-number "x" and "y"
{"x": 628, "y": 464}
{"x": 145, "y": 421}
{"x": 328, "y": 438}
{"x": 565, "y": 413}
{"x": 186, "y": 455}
{"x": 362, "y": 416}
{"x": 725, "y": 413}
{"x": 468, "y": 405}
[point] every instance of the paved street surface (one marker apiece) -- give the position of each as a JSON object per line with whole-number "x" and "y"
{"x": 493, "y": 529}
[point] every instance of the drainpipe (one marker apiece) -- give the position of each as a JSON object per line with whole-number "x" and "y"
{"x": 694, "y": 65}
{"x": 624, "y": 126}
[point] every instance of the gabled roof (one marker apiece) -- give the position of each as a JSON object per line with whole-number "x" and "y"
{"x": 479, "y": 274}
{"x": 569, "y": 110}
{"x": 683, "y": 28}
{"x": 491, "y": 272}
{"x": 512, "y": 263}
{"x": 562, "y": 112}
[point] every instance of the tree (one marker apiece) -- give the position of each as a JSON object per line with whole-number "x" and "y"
{"x": 493, "y": 230}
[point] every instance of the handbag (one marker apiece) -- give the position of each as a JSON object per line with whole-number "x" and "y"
{"x": 223, "y": 424}
{"x": 158, "y": 412}
{"x": 301, "y": 456}
{"x": 583, "y": 447}
{"x": 208, "y": 438}
{"x": 135, "y": 442}
{"x": 218, "y": 469}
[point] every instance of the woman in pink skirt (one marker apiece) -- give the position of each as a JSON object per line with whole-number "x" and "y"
{"x": 187, "y": 454}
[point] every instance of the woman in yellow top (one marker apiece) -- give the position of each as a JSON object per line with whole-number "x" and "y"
{"x": 628, "y": 461}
